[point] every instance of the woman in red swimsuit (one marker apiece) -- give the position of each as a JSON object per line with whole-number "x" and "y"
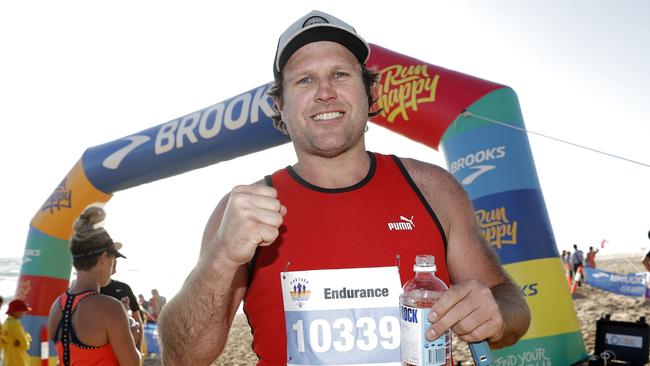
{"x": 89, "y": 328}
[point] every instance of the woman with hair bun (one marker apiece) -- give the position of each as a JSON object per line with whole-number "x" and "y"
{"x": 87, "y": 327}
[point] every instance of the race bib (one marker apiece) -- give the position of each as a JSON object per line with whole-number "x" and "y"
{"x": 342, "y": 316}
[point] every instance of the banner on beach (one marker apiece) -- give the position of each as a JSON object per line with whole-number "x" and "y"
{"x": 631, "y": 284}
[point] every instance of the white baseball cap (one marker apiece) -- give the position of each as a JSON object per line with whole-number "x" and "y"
{"x": 318, "y": 26}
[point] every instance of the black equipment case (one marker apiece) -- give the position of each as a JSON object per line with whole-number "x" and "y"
{"x": 622, "y": 341}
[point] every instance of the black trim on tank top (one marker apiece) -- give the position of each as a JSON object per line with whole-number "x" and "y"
{"x": 251, "y": 267}
{"x": 268, "y": 180}
{"x": 361, "y": 183}
{"x": 417, "y": 191}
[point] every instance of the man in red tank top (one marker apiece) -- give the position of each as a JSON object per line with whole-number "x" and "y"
{"x": 339, "y": 210}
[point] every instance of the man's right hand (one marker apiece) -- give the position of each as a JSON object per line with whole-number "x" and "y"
{"x": 248, "y": 217}
{"x": 252, "y": 217}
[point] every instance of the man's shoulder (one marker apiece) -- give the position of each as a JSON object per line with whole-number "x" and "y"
{"x": 419, "y": 167}
{"x": 431, "y": 178}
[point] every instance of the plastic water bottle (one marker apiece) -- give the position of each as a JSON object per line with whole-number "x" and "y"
{"x": 420, "y": 293}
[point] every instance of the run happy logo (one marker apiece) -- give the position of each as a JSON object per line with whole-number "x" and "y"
{"x": 402, "y": 88}
{"x": 60, "y": 198}
{"x": 496, "y": 228}
{"x": 301, "y": 292}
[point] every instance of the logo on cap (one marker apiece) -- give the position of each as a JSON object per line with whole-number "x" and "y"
{"x": 314, "y": 20}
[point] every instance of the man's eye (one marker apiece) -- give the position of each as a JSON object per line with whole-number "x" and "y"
{"x": 340, "y": 74}
{"x": 305, "y": 80}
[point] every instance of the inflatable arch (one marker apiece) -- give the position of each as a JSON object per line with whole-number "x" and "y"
{"x": 427, "y": 103}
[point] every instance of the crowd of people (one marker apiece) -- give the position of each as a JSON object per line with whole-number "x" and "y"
{"x": 576, "y": 260}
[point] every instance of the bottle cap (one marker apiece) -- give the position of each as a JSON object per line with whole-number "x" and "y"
{"x": 424, "y": 263}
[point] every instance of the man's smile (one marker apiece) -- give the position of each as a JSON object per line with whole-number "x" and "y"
{"x": 327, "y": 116}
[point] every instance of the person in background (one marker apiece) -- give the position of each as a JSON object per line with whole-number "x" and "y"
{"x": 122, "y": 291}
{"x": 333, "y": 211}
{"x": 569, "y": 261}
{"x": 142, "y": 301}
{"x": 15, "y": 338}
{"x": 156, "y": 304}
{"x": 591, "y": 257}
{"x": 89, "y": 328}
{"x": 566, "y": 261}
{"x": 577, "y": 260}
{"x": 144, "y": 305}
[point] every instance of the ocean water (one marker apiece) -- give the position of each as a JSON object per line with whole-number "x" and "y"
{"x": 141, "y": 277}
{"x": 9, "y": 270}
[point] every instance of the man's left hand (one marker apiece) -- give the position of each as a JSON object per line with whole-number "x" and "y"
{"x": 470, "y": 311}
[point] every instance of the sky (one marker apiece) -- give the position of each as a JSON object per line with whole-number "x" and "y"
{"x": 76, "y": 74}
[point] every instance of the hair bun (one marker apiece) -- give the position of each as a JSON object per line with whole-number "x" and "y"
{"x": 85, "y": 226}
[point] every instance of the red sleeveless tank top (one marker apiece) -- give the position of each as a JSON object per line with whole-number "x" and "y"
{"x": 366, "y": 225}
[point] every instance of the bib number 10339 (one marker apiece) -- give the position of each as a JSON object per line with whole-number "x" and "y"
{"x": 345, "y": 336}
{"x": 342, "y": 316}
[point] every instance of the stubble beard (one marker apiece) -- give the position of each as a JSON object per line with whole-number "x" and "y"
{"x": 330, "y": 144}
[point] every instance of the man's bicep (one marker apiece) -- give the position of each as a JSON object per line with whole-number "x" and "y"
{"x": 469, "y": 256}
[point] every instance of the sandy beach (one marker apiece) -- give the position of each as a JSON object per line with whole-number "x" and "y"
{"x": 590, "y": 305}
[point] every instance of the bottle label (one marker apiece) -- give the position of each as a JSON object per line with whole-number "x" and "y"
{"x": 416, "y": 349}
{"x": 342, "y": 316}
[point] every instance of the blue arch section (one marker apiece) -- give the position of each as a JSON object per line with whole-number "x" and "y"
{"x": 491, "y": 159}
{"x": 516, "y": 224}
{"x": 238, "y": 126}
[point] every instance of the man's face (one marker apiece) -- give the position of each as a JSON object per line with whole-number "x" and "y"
{"x": 325, "y": 105}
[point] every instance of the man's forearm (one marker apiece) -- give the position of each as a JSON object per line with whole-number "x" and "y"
{"x": 194, "y": 324}
{"x": 515, "y": 313}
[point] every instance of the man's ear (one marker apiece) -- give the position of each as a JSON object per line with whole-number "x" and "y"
{"x": 277, "y": 104}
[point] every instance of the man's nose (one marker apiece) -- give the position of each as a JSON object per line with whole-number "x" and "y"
{"x": 325, "y": 92}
